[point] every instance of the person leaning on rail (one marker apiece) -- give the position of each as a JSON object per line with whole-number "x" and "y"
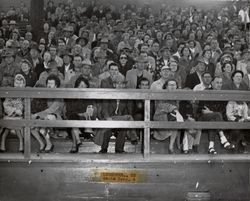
{"x": 53, "y": 111}
{"x": 214, "y": 111}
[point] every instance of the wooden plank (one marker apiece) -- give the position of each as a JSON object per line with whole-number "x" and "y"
{"x": 27, "y": 144}
{"x": 146, "y": 137}
{"x": 126, "y": 124}
{"x": 131, "y": 94}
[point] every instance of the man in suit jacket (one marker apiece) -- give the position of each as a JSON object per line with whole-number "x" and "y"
{"x": 116, "y": 110}
{"x": 133, "y": 76}
{"x": 195, "y": 78}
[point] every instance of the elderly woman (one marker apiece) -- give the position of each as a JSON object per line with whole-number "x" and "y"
{"x": 167, "y": 110}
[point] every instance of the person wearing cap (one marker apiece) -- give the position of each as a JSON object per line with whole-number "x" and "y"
{"x": 13, "y": 109}
{"x": 8, "y": 68}
{"x": 166, "y": 74}
{"x": 104, "y": 47}
{"x": 195, "y": 78}
{"x": 117, "y": 110}
{"x": 134, "y": 75}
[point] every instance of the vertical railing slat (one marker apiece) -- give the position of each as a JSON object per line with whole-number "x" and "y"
{"x": 146, "y": 147}
{"x": 27, "y": 147}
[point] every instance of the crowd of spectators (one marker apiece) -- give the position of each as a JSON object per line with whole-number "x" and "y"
{"x": 101, "y": 46}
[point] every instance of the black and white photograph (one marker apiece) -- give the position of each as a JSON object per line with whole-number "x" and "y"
{"x": 124, "y": 100}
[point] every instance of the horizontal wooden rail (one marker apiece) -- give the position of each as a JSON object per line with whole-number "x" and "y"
{"x": 124, "y": 124}
{"x": 130, "y": 94}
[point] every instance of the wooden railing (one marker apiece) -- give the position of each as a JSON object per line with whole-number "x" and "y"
{"x": 146, "y": 95}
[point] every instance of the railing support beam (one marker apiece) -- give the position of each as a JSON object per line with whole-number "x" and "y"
{"x": 146, "y": 147}
{"x": 27, "y": 147}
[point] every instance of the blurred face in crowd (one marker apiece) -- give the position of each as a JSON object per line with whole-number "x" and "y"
{"x": 172, "y": 85}
{"x": 228, "y": 68}
{"x": 51, "y": 84}
{"x": 9, "y": 59}
{"x": 46, "y": 57}
{"x": 166, "y": 74}
{"x": 25, "y": 67}
{"x": 217, "y": 83}
{"x": 144, "y": 48}
{"x": 61, "y": 46}
{"x": 77, "y": 49}
{"x": 34, "y": 53}
{"x": 144, "y": 84}
{"x": 206, "y": 78}
{"x": 19, "y": 83}
{"x": 123, "y": 59}
{"x": 28, "y": 36}
{"x": 186, "y": 52}
{"x": 52, "y": 51}
{"x": 25, "y": 45}
{"x": 208, "y": 54}
{"x": 86, "y": 70}
{"x": 155, "y": 47}
{"x": 77, "y": 61}
{"x": 237, "y": 78}
{"x": 46, "y": 27}
{"x": 201, "y": 67}
{"x": 113, "y": 70}
{"x": 66, "y": 59}
{"x": 248, "y": 67}
{"x": 173, "y": 66}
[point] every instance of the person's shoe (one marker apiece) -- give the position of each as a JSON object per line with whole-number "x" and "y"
{"x": 49, "y": 150}
{"x": 212, "y": 151}
{"x": 185, "y": 152}
{"x": 2, "y": 150}
{"x": 195, "y": 149}
{"x": 73, "y": 150}
{"x": 120, "y": 152}
{"x": 21, "y": 150}
{"x": 228, "y": 146}
{"x": 103, "y": 151}
{"x": 171, "y": 151}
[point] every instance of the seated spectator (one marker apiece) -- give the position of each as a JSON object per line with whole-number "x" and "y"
{"x": 83, "y": 69}
{"x": 236, "y": 84}
{"x": 8, "y": 68}
{"x": 53, "y": 111}
{"x": 214, "y": 111}
{"x": 237, "y": 111}
{"x": 117, "y": 110}
{"x": 125, "y": 63}
{"x": 51, "y": 70}
{"x": 207, "y": 55}
{"x": 242, "y": 63}
{"x": 133, "y": 76}
{"x": 173, "y": 65}
{"x": 206, "y": 78}
{"x": 195, "y": 78}
{"x": 227, "y": 70}
{"x": 67, "y": 69}
{"x": 167, "y": 110}
{"x": 108, "y": 80}
{"x": 83, "y": 42}
{"x": 78, "y": 109}
{"x": 166, "y": 74}
{"x": 13, "y": 109}
{"x": 29, "y": 75}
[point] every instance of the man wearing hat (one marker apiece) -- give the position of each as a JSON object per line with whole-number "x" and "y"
{"x": 117, "y": 110}
{"x": 166, "y": 74}
{"x": 69, "y": 36}
{"x": 196, "y": 77}
{"x": 133, "y": 76}
{"x": 24, "y": 52}
{"x": 8, "y": 68}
